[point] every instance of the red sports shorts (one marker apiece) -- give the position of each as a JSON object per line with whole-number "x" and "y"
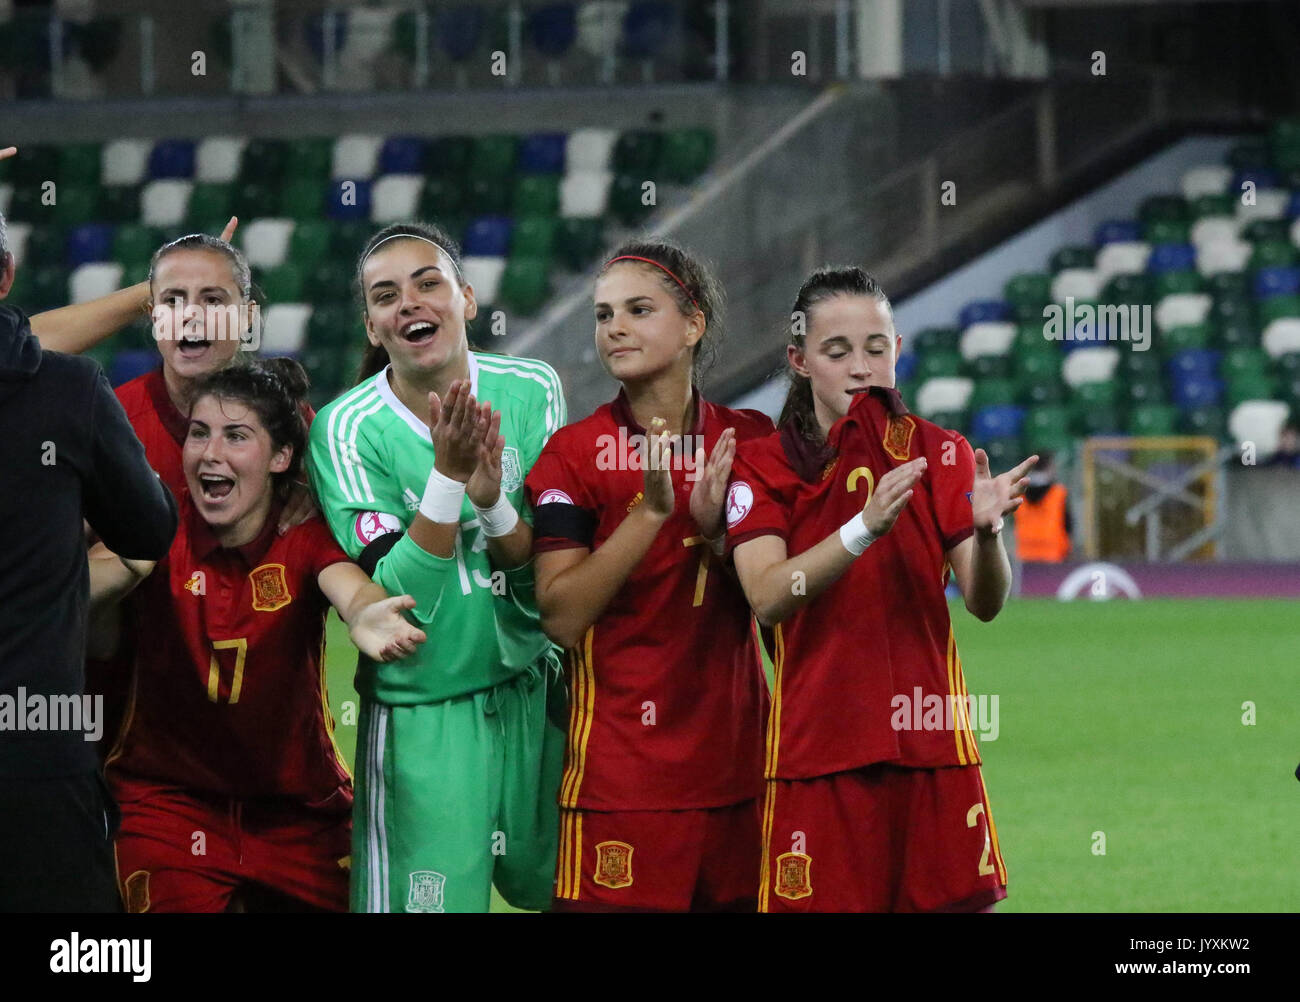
{"x": 881, "y": 839}
{"x": 674, "y": 861}
{"x": 181, "y": 852}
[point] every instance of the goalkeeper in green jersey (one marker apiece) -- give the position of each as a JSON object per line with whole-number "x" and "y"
{"x": 419, "y": 470}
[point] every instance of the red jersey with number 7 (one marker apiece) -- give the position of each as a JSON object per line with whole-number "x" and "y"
{"x": 667, "y": 692}
{"x": 868, "y": 670}
{"x": 229, "y": 692}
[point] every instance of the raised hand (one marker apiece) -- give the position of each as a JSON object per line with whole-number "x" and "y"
{"x": 382, "y": 633}
{"x": 891, "y": 496}
{"x": 992, "y": 497}
{"x": 8, "y": 152}
{"x": 710, "y": 490}
{"x": 229, "y": 231}
{"x": 458, "y": 429}
{"x": 484, "y": 486}
{"x": 658, "y": 457}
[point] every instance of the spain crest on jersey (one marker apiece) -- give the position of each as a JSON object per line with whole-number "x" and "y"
{"x": 425, "y": 894}
{"x": 792, "y": 875}
{"x": 512, "y": 476}
{"x": 898, "y": 437}
{"x": 270, "y": 588}
{"x": 613, "y": 864}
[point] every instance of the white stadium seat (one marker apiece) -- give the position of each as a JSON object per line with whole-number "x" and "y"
{"x": 585, "y": 194}
{"x": 1215, "y": 229}
{"x": 284, "y": 328}
{"x": 1079, "y": 283}
{"x": 124, "y": 161}
{"x": 1181, "y": 309}
{"x": 484, "y": 273}
{"x": 1258, "y": 422}
{"x": 1208, "y": 179}
{"x": 1089, "y": 365}
{"x": 163, "y": 203}
{"x": 394, "y": 197}
{"x": 1295, "y": 231}
{"x": 266, "y": 241}
{"x": 217, "y": 159}
{"x": 589, "y": 149}
{"x": 1122, "y": 258}
{"x": 18, "y": 234}
{"x": 987, "y": 338}
{"x": 1270, "y": 203}
{"x": 943, "y": 393}
{"x": 1281, "y": 337}
{"x": 356, "y": 156}
{"x": 1219, "y": 256}
{"x": 90, "y": 281}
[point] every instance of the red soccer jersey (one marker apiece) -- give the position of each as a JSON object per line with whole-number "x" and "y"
{"x": 229, "y": 692}
{"x": 667, "y": 693}
{"x": 868, "y": 671}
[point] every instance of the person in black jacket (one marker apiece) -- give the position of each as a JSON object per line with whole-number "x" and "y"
{"x": 67, "y": 452}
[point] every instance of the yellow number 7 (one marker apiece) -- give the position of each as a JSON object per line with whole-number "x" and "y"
{"x": 240, "y": 647}
{"x": 703, "y": 575}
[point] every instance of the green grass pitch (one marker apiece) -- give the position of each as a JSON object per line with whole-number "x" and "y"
{"x": 1124, "y": 718}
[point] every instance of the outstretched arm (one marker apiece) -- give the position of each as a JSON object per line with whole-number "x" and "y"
{"x": 375, "y": 621}
{"x": 979, "y": 562}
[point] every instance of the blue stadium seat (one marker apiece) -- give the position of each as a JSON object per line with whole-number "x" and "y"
{"x": 1271, "y": 282}
{"x": 88, "y": 243}
{"x": 459, "y": 30}
{"x": 648, "y": 28}
{"x": 983, "y": 310}
{"x": 1293, "y": 206}
{"x": 553, "y": 28}
{"x": 488, "y": 236}
{"x": 998, "y": 421}
{"x": 1194, "y": 363}
{"x": 1263, "y": 178}
{"x": 131, "y": 362}
{"x": 542, "y": 153}
{"x": 1118, "y": 231}
{"x": 1197, "y": 391}
{"x": 1171, "y": 257}
{"x": 402, "y": 155}
{"x": 313, "y": 30}
{"x": 905, "y": 368}
{"x": 172, "y": 158}
{"x": 360, "y": 209}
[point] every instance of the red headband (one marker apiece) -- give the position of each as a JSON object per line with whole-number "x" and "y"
{"x": 647, "y": 260}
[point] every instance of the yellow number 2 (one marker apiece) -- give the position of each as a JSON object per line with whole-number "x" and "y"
{"x": 972, "y": 819}
{"x": 240, "y": 647}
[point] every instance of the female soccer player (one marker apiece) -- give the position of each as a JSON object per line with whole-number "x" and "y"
{"x": 230, "y": 784}
{"x": 658, "y": 801}
{"x": 457, "y": 763}
{"x": 875, "y": 800}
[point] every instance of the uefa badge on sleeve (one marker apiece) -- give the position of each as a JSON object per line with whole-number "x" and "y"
{"x": 740, "y": 499}
{"x": 425, "y": 894}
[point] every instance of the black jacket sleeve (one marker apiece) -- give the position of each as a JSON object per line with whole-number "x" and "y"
{"x": 125, "y": 502}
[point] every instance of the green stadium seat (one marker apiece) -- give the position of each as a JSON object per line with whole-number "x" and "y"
{"x": 1213, "y": 205}
{"x": 134, "y": 244}
{"x": 45, "y": 246}
{"x": 1260, "y": 230}
{"x": 349, "y": 240}
{"x": 35, "y": 163}
{"x": 1143, "y": 389}
{"x": 1166, "y": 231}
{"x": 525, "y": 285}
{"x": 533, "y": 236}
{"x": 1209, "y": 420}
{"x": 76, "y": 203}
{"x": 938, "y": 364}
{"x": 536, "y": 195}
{"x": 625, "y": 200}
{"x": 1286, "y": 157}
{"x": 1250, "y": 386}
{"x": 134, "y": 274}
{"x": 212, "y": 200}
{"x": 1241, "y": 362}
{"x": 1231, "y": 283}
{"x": 988, "y": 367}
{"x": 310, "y": 243}
{"x": 333, "y": 327}
{"x": 1030, "y": 290}
{"x": 1128, "y": 290}
{"x": 44, "y": 288}
{"x": 282, "y": 284}
{"x": 1180, "y": 338}
{"x": 990, "y": 393}
{"x": 1163, "y": 209}
{"x": 488, "y": 196}
{"x": 263, "y": 160}
{"x": 1237, "y": 332}
{"x": 1095, "y": 409}
{"x": 324, "y": 283}
{"x": 637, "y": 152}
{"x": 1044, "y": 423}
{"x": 26, "y": 207}
{"x": 449, "y": 157}
{"x": 1003, "y": 453}
{"x": 956, "y": 420}
{"x": 685, "y": 154}
{"x": 440, "y": 196}
{"x": 310, "y": 159}
{"x": 1073, "y": 257}
{"x": 1038, "y": 378}
{"x": 1288, "y": 365}
{"x": 1153, "y": 419}
{"x": 580, "y": 241}
{"x": 119, "y": 203}
{"x": 1273, "y": 254}
{"x": 1171, "y": 282}
{"x": 303, "y": 199}
{"x": 933, "y": 339}
{"x": 1277, "y": 307}
{"x": 79, "y": 165}
{"x": 1249, "y": 153}
{"x": 257, "y": 199}
{"x": 493, "y": 157}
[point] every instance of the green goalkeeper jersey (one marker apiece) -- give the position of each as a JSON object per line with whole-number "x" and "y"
{"x": 369, "y": 459}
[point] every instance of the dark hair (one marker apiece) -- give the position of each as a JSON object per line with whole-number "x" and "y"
{"x": 202, "y": 241}
{"x": 821, "y": 285}
{"x": 375, "y": 356}
{"x": 699, "y": 290}
{"x": 274, "y": 388}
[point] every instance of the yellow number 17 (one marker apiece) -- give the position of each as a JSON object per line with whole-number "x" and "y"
{"x": 240, "y": 647}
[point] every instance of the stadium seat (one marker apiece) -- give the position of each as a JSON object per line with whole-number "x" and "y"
{"x": 1281, "y": 337}
{"x": 172, "y": 158}
{"x": 944, "y": 393}
{"x": 348, "y": 238}
{"x": 579, "y": 242}
{"x": 1209, "y": 179}
{"x": 281, "y": 284}
{"x": 1258, "y": 230}
{"x": 991, "y": 392}
{"x": 1153, "y": 419}
{"x": 459, "y": 30}
{"x": 990, "y": 337}
{"x": 333, "y": 327}
{"x": 1167, "y": 231}
{"x": 484, "y": 274}
{"x": 1197, "y": 391}
{"x": 905, "y": 370}
{"x": 402, "y": 155}
{"x": 132, "y": 362}
{"x": 1027, "y": 294}
{"x": 1171, "y": 257}
{"x": 1249, "y": 387}
{"x": 1095, "y": 409}
{"x": 284, "y": 329}
{"x": 997, "y": 421}
{"x": 1205, "y": 420}
{"x": 441, "y": 196}
{"x": 627, "y": 200}
{"x": 217, "y": 159}
{"x": 1080, "y": 284}
{"x": 91, "y": 281}
{"x": 552, "y": 28}
{"x": 1270, "y": 203}
{"x": 395, "y": 197}
{"x": 164, "y": 203}
{"x": 637, "y": 152}
{"x": 310, "y": 158}
{"x": 302, "y": 199}
{"x": 1295, "y": 232}
{"x": 933, "y": 339}
{"x": 1184, "y": 337}
{"x": 88, "y": 243}
{"x": 263, "y": 160}
{"x": 1122, "y": 258}
{"x": 1222, "y": 255}
{"x": 1181, "y": 309}
{"x": 584, "y": 194}
{"x": 685, "y": 154}
{"x": 1072, "y": 257}
{"x": 1273, "y": 254}
{"x": 533, "y": 237}
{"x": 324, "y": 285}
{"x": 1268, "y": 310}
{"x": 46, "y": 245}
{"x": 542, "y": 153}
{"x": 349, "y": 203}
{"x": 589, "y": 150}
{"x": 134, "y": 244}
{"x": 983, "y": 367}
{"x": 1259, "y": 422}
{"x": 266, "y": 243}
{"x": 355, "y": 156}
{"x": 1168, "y": 283}
{"x": 211, "y": 200}
{"x": 1237, "y": 332}
{"x": 119, "y": 203}
{"x": 449, "y": 156}
{"x": 938, "y": 364}
{"x": 1193, "y": 363}
{"x": 493, "y": 157}
{"x": 525, "y": 284}
{"x": 1089, "y": 365}
{"x": 536, "y": 195}
{"x": 1215, "y": 229}
{"x": 1163, "y": 208}
{"x": 1118, "y": 231}
{"x": 1271, "y": 282}
{"x": 1128, "y": 289}
{"x": 488, "y": 236}
{"x": 124, "y": 161}
{"x": 75, "y": 203}
{"x": 981, "y": 311}
{"x": 488, "y": 196}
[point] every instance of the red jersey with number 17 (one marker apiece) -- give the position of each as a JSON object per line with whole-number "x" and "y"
{"x": 667, "y": 693}
{"x": 229, "y": 692}
{"x": 867, "y": 671}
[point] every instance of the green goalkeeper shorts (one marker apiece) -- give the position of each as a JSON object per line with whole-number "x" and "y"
{"x": 454, "y": 796}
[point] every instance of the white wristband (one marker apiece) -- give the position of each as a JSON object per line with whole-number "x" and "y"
{"x": 500, "y": 519}
{"x": 855, "y": 535}
{"x": 443, "y": 498}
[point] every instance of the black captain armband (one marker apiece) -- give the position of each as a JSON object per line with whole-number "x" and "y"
{"x": 564, "y": 521}
{"x": 376, "y": 550}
